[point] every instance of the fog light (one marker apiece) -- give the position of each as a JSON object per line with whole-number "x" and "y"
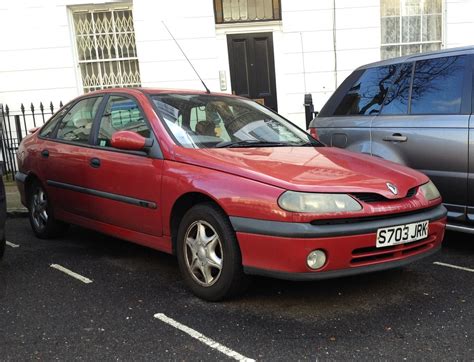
{"x": 316, "y": 259}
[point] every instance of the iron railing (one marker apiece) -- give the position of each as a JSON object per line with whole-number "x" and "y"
{"x": 15, "y": 125}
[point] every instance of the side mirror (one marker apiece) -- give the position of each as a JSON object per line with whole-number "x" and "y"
{"x": 127, "y": 140}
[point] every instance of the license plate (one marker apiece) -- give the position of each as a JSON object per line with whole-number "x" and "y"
{"x": 401, "y": 234}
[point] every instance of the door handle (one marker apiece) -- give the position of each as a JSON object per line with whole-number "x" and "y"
{"x": 94, "y": 162}
{"x": 396, "y": 137}
{"x": 45, "y": 153}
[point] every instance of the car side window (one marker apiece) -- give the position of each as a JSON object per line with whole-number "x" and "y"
{"x": 121, "y": 114}
{"x": 77, "y": 123}
{"x": 366, "y": 95}
{"x": 396, "y": 101}
{"x": 48, "y": 128}
{"x": 438, "y": 85}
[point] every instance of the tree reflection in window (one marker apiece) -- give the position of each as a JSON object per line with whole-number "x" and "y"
{"x": 438, "y": 85}
{"x": 367, "y": 94}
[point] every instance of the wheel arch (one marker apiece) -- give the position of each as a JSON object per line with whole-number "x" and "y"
{"x": 181, "y": 206}
{"x": 30, "y": 179}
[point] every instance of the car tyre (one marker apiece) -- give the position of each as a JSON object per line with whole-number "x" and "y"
{"x": 209, "y": 255}
{"x": 42, "y": 221}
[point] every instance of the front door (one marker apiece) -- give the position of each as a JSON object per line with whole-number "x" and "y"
{"x": 126, "y": 185}
{"x": 252, "y": 67}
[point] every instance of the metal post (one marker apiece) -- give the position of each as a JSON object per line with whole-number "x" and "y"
{"x": 18, "y": 128}
{"x": 308, "y": 108}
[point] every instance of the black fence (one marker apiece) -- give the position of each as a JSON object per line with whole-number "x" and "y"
{"x": 15, "y": 125}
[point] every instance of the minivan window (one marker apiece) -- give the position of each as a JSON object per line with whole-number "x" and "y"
{"x": 366, "y": 95}
{"x": 438, "y": 85}
{"x": 77, "y": 123}
{"x": 396, "y": 101}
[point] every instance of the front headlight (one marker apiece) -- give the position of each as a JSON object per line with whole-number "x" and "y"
{"x": 317, "y": 203}
{"x": 430, "y": 191}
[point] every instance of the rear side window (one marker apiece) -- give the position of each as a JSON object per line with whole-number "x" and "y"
{"x": 48, "y": 129}
{"x": 77, "y": 123}
{"x": 121, "y": 114}
{"x": 438, "y": 86}
{"x": 366, "y": 95}
{"x": 396, "y": 101}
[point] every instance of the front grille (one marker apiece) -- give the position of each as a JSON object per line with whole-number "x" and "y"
{"x": 373, "y": 197}
{"x": 372, "y": 254}
{"x": 353, "y": 220}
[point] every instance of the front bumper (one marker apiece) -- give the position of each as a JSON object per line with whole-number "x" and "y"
{"x": 279, "y": 249}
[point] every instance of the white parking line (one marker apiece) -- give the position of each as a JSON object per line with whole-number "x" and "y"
{"x": 12, "y": 245}
{"x": 71, "y": 273}
{"x": 202, "y": 338}
{"x": 454, "y": 266}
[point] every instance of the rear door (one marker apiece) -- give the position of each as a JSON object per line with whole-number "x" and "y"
{"x": 424, "y": 125}
{"x": 63, "y": 154}
{"x": 346, "y": 118}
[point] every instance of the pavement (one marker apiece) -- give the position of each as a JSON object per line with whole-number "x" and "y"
{"x": 131, "y": 304}
{"x": 14, "y": 206}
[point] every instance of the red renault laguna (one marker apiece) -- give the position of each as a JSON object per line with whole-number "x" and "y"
{"x": 229, "y": 186}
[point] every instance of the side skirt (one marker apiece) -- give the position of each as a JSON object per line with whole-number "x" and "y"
{"x": 154, "y": 242}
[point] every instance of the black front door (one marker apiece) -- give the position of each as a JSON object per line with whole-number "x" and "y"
{"x": 252, "y": 68}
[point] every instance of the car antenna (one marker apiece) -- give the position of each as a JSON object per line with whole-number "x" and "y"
{"x": 191, "y": 64}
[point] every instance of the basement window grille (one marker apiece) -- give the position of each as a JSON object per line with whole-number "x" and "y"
{"x": 107, "y": 54}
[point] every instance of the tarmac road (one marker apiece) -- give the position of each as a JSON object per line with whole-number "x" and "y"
{"x": 423, "y": 311}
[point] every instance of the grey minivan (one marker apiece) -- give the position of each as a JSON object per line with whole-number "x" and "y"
{"x": 415, "y": 110}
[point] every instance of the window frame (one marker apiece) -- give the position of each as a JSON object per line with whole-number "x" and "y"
{"x": 116, "y": 6}
{"x": 155, "y": 151}
{"x": 96, "y": 127}
{"x": 219, "y": 14}
{"x": 420, "y": 43}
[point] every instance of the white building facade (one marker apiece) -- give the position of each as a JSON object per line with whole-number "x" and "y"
{"x": 273, "y": 51}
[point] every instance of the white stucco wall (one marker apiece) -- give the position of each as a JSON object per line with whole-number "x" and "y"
{"x": 37, "y": 58}
{"x": 459, "y": 23}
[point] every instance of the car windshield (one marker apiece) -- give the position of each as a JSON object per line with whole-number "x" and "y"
{"x": 209, "y": 121}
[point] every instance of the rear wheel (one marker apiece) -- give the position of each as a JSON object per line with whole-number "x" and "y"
{"x": 42, "y": 221}
{"x": 208, "y": 254}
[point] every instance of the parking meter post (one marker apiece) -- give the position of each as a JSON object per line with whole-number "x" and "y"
{"x": 18, "y": 128}
{"x": 308, "y": 108}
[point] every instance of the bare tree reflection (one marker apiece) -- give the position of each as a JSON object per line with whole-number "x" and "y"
{"x": 390, "y": 86}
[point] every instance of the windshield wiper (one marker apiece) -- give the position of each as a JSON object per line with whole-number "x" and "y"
{"x": 251, "y": 143}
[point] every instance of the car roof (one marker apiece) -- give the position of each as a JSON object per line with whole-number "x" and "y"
{"x": 420, "y": 56}
{"x": 150, "y": 91}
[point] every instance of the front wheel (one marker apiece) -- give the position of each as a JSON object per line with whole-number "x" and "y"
{"x": 42, "y": 222}
{"x": 208, "y": 253}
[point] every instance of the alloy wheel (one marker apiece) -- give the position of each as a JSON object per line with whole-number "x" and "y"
{"x": 203, "y": 253}
{"x": 39, "y": 211}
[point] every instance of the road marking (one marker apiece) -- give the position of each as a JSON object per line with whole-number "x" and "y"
{"x": 454, "y": 266}
{"x": 202, "y": 338}
{"x": 71, "y": 273}
{"x": 12, "y": 245}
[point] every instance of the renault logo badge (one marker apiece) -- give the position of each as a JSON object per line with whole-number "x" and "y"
{"x": 392, "y": 188}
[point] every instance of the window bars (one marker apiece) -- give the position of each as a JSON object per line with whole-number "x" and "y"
{"x": 106, "y": 50}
